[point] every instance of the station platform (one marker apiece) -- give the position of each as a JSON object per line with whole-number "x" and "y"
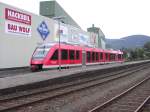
{"x": 35, "y": 77}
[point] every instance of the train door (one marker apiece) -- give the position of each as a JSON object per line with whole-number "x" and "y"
{"x": 83, "y": 58}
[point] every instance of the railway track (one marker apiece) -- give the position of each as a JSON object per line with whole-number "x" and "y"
{"x": 12, "y": 103}
{"x": 130, "y": 100}
{"x": 145, "y": 106}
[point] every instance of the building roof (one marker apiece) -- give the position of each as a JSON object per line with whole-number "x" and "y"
{"x": 53, "y": 9}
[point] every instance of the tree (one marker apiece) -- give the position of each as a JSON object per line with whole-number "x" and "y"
{"x": 125, "y": 53}
{"x": 133, "y": 54}
{"x": 140, "y": 53}
{"x": 147, "y": 46}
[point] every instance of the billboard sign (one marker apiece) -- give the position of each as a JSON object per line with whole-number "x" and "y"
{"x": 83, "y": 39}
{"x": 17, "y": 29}
{"x": 93, "y": 39}
{"x": 73, "y": 35}
{"x": 43, "y": 30}
{"x": 17, "y": 16}
{"x": 61, "y": 31}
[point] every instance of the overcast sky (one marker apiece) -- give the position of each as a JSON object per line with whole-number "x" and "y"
{"x": 116, "y": 18}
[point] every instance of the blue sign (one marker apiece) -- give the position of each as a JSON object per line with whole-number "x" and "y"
{"x": 43, "y": 30}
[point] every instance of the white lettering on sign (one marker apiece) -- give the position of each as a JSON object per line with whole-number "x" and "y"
{"x": 17, "y": 16}
{"x": 13, "y": 28}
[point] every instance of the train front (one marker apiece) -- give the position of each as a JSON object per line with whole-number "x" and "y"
{"x": 38, "y": 57}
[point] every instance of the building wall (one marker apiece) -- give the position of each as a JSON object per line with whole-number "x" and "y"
{"x": 101, "y": 36}
{"x": 17, "y": 46}
{"x": 103, "y": 43}
{"x": 16, "y": 49}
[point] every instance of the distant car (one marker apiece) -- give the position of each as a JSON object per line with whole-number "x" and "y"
{"x": 47, "y": 56}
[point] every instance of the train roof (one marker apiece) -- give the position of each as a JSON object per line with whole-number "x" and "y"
{"x": 69, "y": 45}
{"x": 113, "y": 51}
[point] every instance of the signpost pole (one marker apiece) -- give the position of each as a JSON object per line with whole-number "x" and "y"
{"x": 59, "y": 41}
{"x": 59, "y": 52}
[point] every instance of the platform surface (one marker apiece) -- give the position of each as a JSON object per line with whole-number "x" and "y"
{"x": 13, "y": 81}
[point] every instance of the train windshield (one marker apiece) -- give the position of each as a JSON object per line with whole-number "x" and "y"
{"x": 41, "y": 51}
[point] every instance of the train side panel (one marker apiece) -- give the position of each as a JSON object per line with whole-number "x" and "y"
{"x": 47, "y": 56}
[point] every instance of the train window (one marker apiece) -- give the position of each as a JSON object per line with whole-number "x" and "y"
{"x": 101, "y": 55}
{"x": 106, "y": 54}
{"x": 112, "y": 57}
{"x": 77, "y": 55}
{"x": 71, "y": 54}
{"x": 40, "y": 52}
{"x": 64, "y": 54}
{"x": 96, "y": 56}
{"x": 93, "y": 56}
{"x": 88, "y": 56}
{"x": 115, "y": 56}
{"x": 119, "y": 56}
{"x": 55, "y": 55}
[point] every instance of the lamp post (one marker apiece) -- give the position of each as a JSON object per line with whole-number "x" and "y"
{"x": 59, "y": 51}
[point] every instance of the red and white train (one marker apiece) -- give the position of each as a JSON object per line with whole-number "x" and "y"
{"x": 47, "y": 56}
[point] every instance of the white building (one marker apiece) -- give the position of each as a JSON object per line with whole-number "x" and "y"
{"x": 20, "y": 34}
{"x": 22, "y": 31}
